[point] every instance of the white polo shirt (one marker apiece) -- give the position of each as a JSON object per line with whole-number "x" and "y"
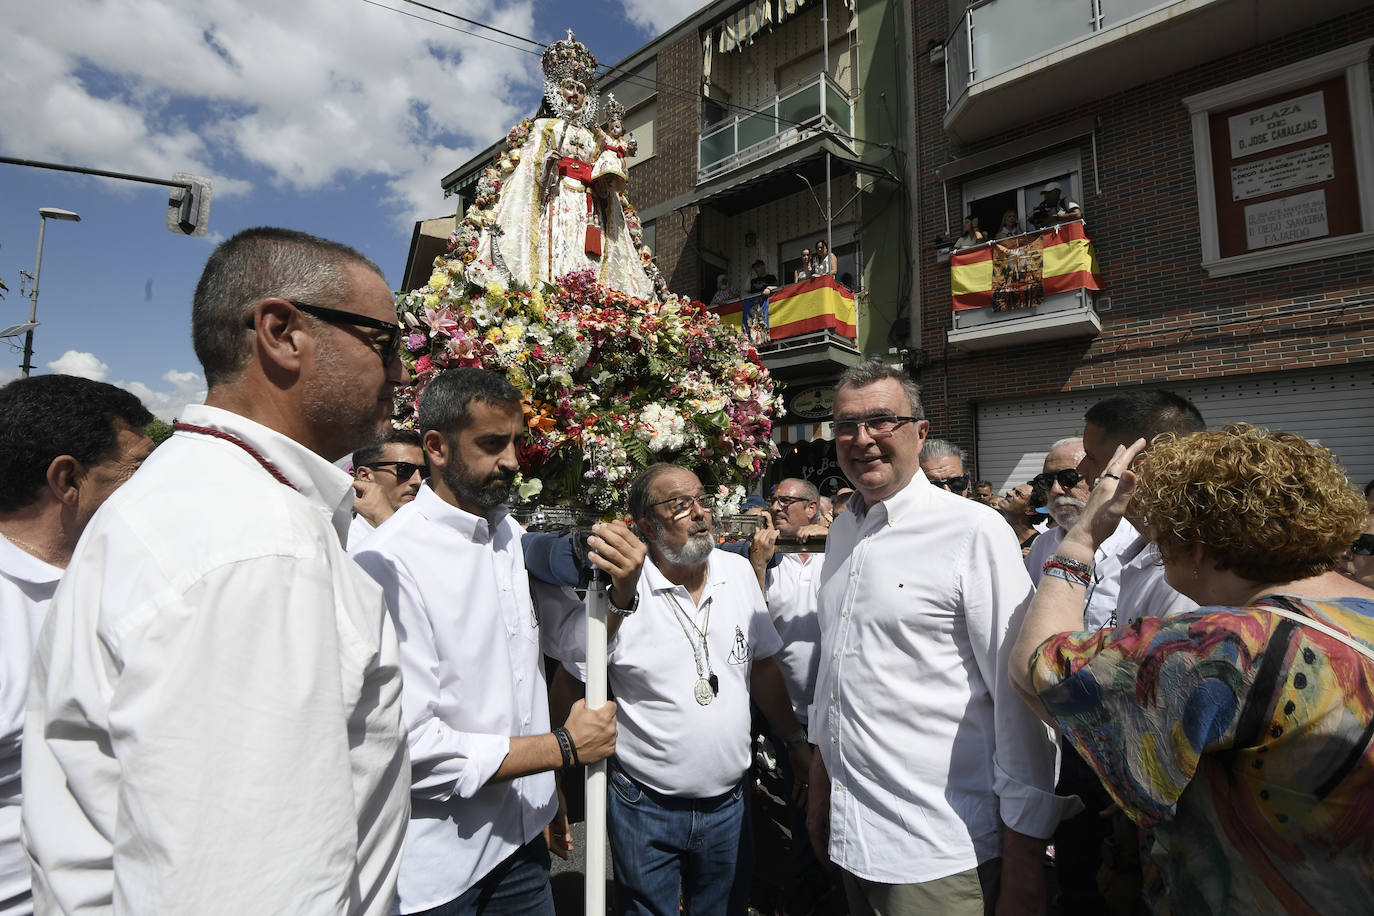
{"x": 26, "y": 587}
{"x": 668, "y": 741}
{"x": 791, "y": 598}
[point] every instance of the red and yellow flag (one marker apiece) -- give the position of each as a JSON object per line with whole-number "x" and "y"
{"x": 820, "y": 304}
{"x": 1019, "y": 272}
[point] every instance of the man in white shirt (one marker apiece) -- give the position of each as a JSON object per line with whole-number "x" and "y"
{"x": 474, "y": 631}
{"x": 683, "y": 670}
{"x": 386, "y": 476}
{"x": 214, "y": 716}
{"x": 929, "y": 779}
{"x": 1132, "y": 570}
{"x": 66, "y": 444}
{"x": 1066, "y": 495}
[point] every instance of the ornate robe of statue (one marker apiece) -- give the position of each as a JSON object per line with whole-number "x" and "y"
{"x": 548, "y": 205}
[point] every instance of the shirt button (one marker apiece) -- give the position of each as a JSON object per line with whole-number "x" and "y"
{"x": 834, "y": 740}
{"x": 834, "y": 654}
{"x": 844, "y": 613}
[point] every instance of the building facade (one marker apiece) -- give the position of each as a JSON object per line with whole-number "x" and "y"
{"x": 1222, "y": 153}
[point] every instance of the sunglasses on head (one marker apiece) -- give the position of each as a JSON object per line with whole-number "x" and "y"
{"x": 1067, "y": 478}
{"x": 1363, "y": 546}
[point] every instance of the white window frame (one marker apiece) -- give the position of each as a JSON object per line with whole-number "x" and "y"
{"x": 1353, "y": 61}
{"x": 1065, "y": 162}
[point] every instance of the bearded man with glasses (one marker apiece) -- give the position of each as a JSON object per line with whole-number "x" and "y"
{"x": 683, "y": 670}
{"x": 932, "y": 789}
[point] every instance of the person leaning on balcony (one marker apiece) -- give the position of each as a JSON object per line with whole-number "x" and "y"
{"x": 760, "y": 280}
{"x": 1010, "y": 225}
{"x": 824, "y": 262}
{"x": 1053, "y": 209}
{"x": 972, "y": 235}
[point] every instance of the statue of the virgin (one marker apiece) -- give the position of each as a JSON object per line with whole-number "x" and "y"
{"x": 557, "y": 211}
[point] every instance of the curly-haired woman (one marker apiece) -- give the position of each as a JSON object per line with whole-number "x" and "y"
{"x": 1238, "y": 735}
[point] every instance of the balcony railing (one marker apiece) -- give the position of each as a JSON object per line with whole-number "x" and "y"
{"x": 999, "y": 35}
{"x": 817, "y": 102}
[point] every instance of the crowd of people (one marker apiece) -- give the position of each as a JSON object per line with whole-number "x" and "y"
{"x": 254, "y": 683}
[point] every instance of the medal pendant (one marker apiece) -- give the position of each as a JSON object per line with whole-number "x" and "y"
{"x": 703, "y": 692}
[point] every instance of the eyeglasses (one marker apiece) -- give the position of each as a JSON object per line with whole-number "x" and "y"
{"x": 788, "y": 501}
{"x": 953, "y": 484}
{"x": 878, "y": 427}
{"x": 390, "y": 345}
{"x": 1067, "y": 478}
{"x": 680, "y": 506}
{"x": 1363, "y": 546}
{"x": 404, "y": 470}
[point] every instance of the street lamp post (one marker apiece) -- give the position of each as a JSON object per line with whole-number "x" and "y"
{"x": 44, "y": 214}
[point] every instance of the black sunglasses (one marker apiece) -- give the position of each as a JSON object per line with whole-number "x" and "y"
{"x": 1363, "y": 546}
{"x": 390, "y": 345}
{"x": 404, "y": 470}
{"x": 1068, "y": 479}
{"x": 953, "y": 484}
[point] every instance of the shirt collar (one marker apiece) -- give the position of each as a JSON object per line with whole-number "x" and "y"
{"x": 913, "y": 497}
{"x": 475, "y": 528}
{"x": 324, "y": 485}
{"x": 18, "y": 563}
{"x": 658, "y": 582}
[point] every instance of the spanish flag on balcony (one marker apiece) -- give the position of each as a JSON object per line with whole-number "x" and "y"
{"x": 1019, "y": 272}
{"x": 821, "y": 304}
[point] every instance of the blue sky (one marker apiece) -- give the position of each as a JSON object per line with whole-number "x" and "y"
{"x": 334, "y": 117}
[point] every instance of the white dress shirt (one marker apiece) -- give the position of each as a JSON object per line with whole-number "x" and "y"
{"x": 666, "y": 740}
{"x": 928, "y": 747}
{"x": 473, "y": 639}
{"x": 1103, "y": 594}
{"x": 1143, "y": 591}
{"x": 214, "y": 719}
{"x": 358, "y": 529}
{"x": 26, "y": 587}
{"x": 791, "y": 598}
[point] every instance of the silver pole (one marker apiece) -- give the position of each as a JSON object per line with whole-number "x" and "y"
{"x": 825, "y": 37}
{"x": 598, "y": 598}
{"x": 829, "y": 239}
{"x": 33, "y": 298}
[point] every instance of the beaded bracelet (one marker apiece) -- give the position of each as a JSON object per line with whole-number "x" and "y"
{"x": 1058, "y": 572}
{"x": 1070, "y": 564}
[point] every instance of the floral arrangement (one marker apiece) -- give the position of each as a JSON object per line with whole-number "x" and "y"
{"x": 612, "y": 383}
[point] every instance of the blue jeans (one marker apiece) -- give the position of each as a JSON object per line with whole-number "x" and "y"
{"x": 665, "y": 850}
{"x": 519, "y": 886}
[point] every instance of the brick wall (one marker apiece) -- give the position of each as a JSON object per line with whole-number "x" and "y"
{"x": 673, "y": 168}
{"x": 1169, "y": 320}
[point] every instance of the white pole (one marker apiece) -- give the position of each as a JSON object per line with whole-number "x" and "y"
{"x": 598, "y": 598}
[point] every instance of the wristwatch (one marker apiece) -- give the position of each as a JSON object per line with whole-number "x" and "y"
{"x": 623, "y": 611}
{"x": 797, "y": 737}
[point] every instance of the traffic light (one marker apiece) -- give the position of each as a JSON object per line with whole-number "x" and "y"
{"x": 188, "y": 209}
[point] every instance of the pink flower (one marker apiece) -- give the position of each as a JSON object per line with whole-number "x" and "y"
{"x": 423, "y": 364}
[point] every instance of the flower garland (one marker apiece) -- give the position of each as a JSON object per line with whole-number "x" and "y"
{"x": 612, "y": 383}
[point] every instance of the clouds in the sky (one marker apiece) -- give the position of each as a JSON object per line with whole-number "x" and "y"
{"x": 312, "y": 91}
{"x": 182, "y": 387}
{"x": 657, "y": 16}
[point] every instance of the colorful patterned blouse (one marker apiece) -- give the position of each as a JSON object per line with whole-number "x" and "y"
{"x": 1241, "y": 740}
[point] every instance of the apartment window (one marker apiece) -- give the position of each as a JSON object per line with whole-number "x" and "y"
{"x": 640, "y": 122}
{"x": 1018, "y": 189}
{"x": 1285, "y": 164}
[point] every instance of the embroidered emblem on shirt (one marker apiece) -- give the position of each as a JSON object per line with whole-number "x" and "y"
{"x": 739, "y": 655}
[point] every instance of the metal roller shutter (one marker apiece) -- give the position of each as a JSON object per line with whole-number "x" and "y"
{"x": 1335, "y": 408}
